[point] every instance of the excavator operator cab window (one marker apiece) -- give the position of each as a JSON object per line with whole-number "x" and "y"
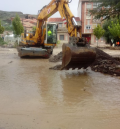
{"x": 51, "y": 33}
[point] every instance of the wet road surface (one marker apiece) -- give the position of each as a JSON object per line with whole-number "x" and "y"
{"x": 34, "y": 97}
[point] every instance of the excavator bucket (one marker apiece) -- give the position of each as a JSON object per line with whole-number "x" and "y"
{"x": 77, "y": 57}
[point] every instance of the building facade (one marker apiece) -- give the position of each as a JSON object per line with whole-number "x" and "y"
{"x": 62, "y": 32}
{"x": 88, "y": 22}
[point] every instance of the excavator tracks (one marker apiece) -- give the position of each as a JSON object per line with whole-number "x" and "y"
{"x": 32, "y": 52}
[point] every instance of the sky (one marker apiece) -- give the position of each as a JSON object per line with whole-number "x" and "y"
{"x": 32, "y": 6}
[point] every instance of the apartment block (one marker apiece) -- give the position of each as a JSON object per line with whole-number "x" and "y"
{"x": 87, "y": 21}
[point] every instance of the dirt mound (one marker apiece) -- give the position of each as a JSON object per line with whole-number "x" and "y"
{"x": 56, "y": 58}
{"x": 104, "y": 56}
{"x": 103, "y": 63}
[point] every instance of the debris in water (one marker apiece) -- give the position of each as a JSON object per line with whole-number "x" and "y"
{"x": 56, "y": 58}
{"x": 57, "y": 67}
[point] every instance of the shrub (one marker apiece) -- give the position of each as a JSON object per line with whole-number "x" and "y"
{"x": 2, "y": 42}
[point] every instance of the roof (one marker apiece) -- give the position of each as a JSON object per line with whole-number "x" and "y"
{"x": 55, "y": 20}
{"x": 30, "y": 20}
{"x": 60, "y": 19}
{"x": 27, "y": 20}
{"x": 27, "y": 24}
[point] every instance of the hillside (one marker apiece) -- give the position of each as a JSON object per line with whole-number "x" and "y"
{"x": 4, "y": 15}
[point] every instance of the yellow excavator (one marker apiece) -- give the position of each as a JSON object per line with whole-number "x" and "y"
{"x": 76, "y": 54}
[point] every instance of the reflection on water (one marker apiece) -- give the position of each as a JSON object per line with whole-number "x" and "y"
{"x": 32, "y": 96}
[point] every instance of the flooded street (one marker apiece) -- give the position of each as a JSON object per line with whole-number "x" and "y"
{"x": 34, "y": 97}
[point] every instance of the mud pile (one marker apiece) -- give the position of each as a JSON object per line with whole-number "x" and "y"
{"x": 56, "y": 58}
{"x": 103, "y": 63}
{"x": 57, "y": 67}
{"x": 114, "y": 48}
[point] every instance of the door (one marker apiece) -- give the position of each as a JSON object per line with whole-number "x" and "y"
{"x": 51, "y": 33}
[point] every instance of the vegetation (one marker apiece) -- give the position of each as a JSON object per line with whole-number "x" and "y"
{"x": 115, "y": 29}
{"x": 108, "y": 35}
{"x": 6, "y": 16}
{"x": 106, "y": 9}
{"x": 8, "y": 28}
{"x": 1, "y": 28}
{"x": 17, "y": 26}
{"x": 2, "y": 42}
{"x": 98, "y": 32}
{"x": 34, "y": 28}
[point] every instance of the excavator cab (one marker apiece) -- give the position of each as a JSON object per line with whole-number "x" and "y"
{"x": 51, "y": 33}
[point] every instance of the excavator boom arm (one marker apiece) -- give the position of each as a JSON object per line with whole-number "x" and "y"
{"x": 62, "y": 7}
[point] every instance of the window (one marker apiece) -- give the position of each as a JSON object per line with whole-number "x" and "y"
{"x": 88, "y": 27}
{"x": 88, "y": 16}
{"x": 60, "y": 24}
{"x": 51, "y": 34}
{"x": 94, "y": 5}
{"x": 61, "y": 37}
{"x": 89, "y": 6}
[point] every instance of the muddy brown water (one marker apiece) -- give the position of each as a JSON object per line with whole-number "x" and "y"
{"x": 34, "y": 97}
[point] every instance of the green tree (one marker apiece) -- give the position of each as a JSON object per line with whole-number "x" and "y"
{"x": 33, "y": 28}
{"x": 1, "y": 28}
{"x": 2, "y": 42}
{"x": 115, "y": 29}
{"x": 98, "y": 32}
{"x": 107, "y": 23}
{"x": 9, "y": 28}
{"x": 106, "y": 9}
{"x": 17, "y": 27}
